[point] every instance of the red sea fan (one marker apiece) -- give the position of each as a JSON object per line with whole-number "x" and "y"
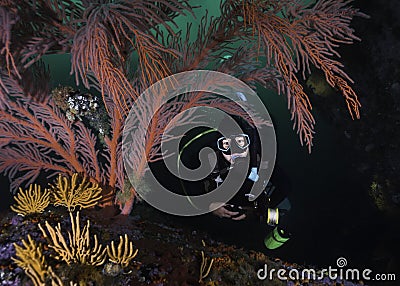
{"x": 306, "y": 34}
{"x": 99, "y": 46}
{"x": 36, "y": 137}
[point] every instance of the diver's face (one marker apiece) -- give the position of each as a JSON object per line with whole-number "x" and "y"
{"x": 240, "y": 141}
{"x": 234, "y": 146}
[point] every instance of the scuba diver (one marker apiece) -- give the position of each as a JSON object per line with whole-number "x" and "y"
{"x": 237, "y": 153}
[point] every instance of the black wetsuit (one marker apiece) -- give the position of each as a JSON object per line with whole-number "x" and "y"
{"x": 223, "y": 167}
{"x": 225, "y": 228}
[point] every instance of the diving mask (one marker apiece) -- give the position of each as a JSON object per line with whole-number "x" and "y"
{"x": 240, "y": 141}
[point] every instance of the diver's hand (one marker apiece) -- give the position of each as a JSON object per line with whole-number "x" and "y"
{"x": 253, "y": 175}
{"x": 221, "y": 211}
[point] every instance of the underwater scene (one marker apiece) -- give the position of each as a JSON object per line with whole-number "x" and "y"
{"x": 199, "y": 142}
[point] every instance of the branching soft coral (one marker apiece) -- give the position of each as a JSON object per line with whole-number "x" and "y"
{"x": 306, "y": 34}
{"x": 30, "y": 258}
{"x": 79, "y": 248}
{"x": 113, "y": 29}
{"x": 31, "y": 201}
{"x": 74, "y": 191}
{"x": 124, "y": 253}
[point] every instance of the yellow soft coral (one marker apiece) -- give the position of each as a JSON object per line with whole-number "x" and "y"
{"x": 31, "y": 259}
{"x": 124, "y": 253}
{"x": 31, "y": 201}
{"x": 78, "y": 250}
{"x": 204, "y": 270}
{"x": 70, "y": 193}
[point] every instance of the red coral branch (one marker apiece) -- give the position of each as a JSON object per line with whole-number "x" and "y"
{"x": 8, "y": 18}
{"x": 99, "y": 46}
{"x": 306, "y": 34}
{"x": 36, "y": 136}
